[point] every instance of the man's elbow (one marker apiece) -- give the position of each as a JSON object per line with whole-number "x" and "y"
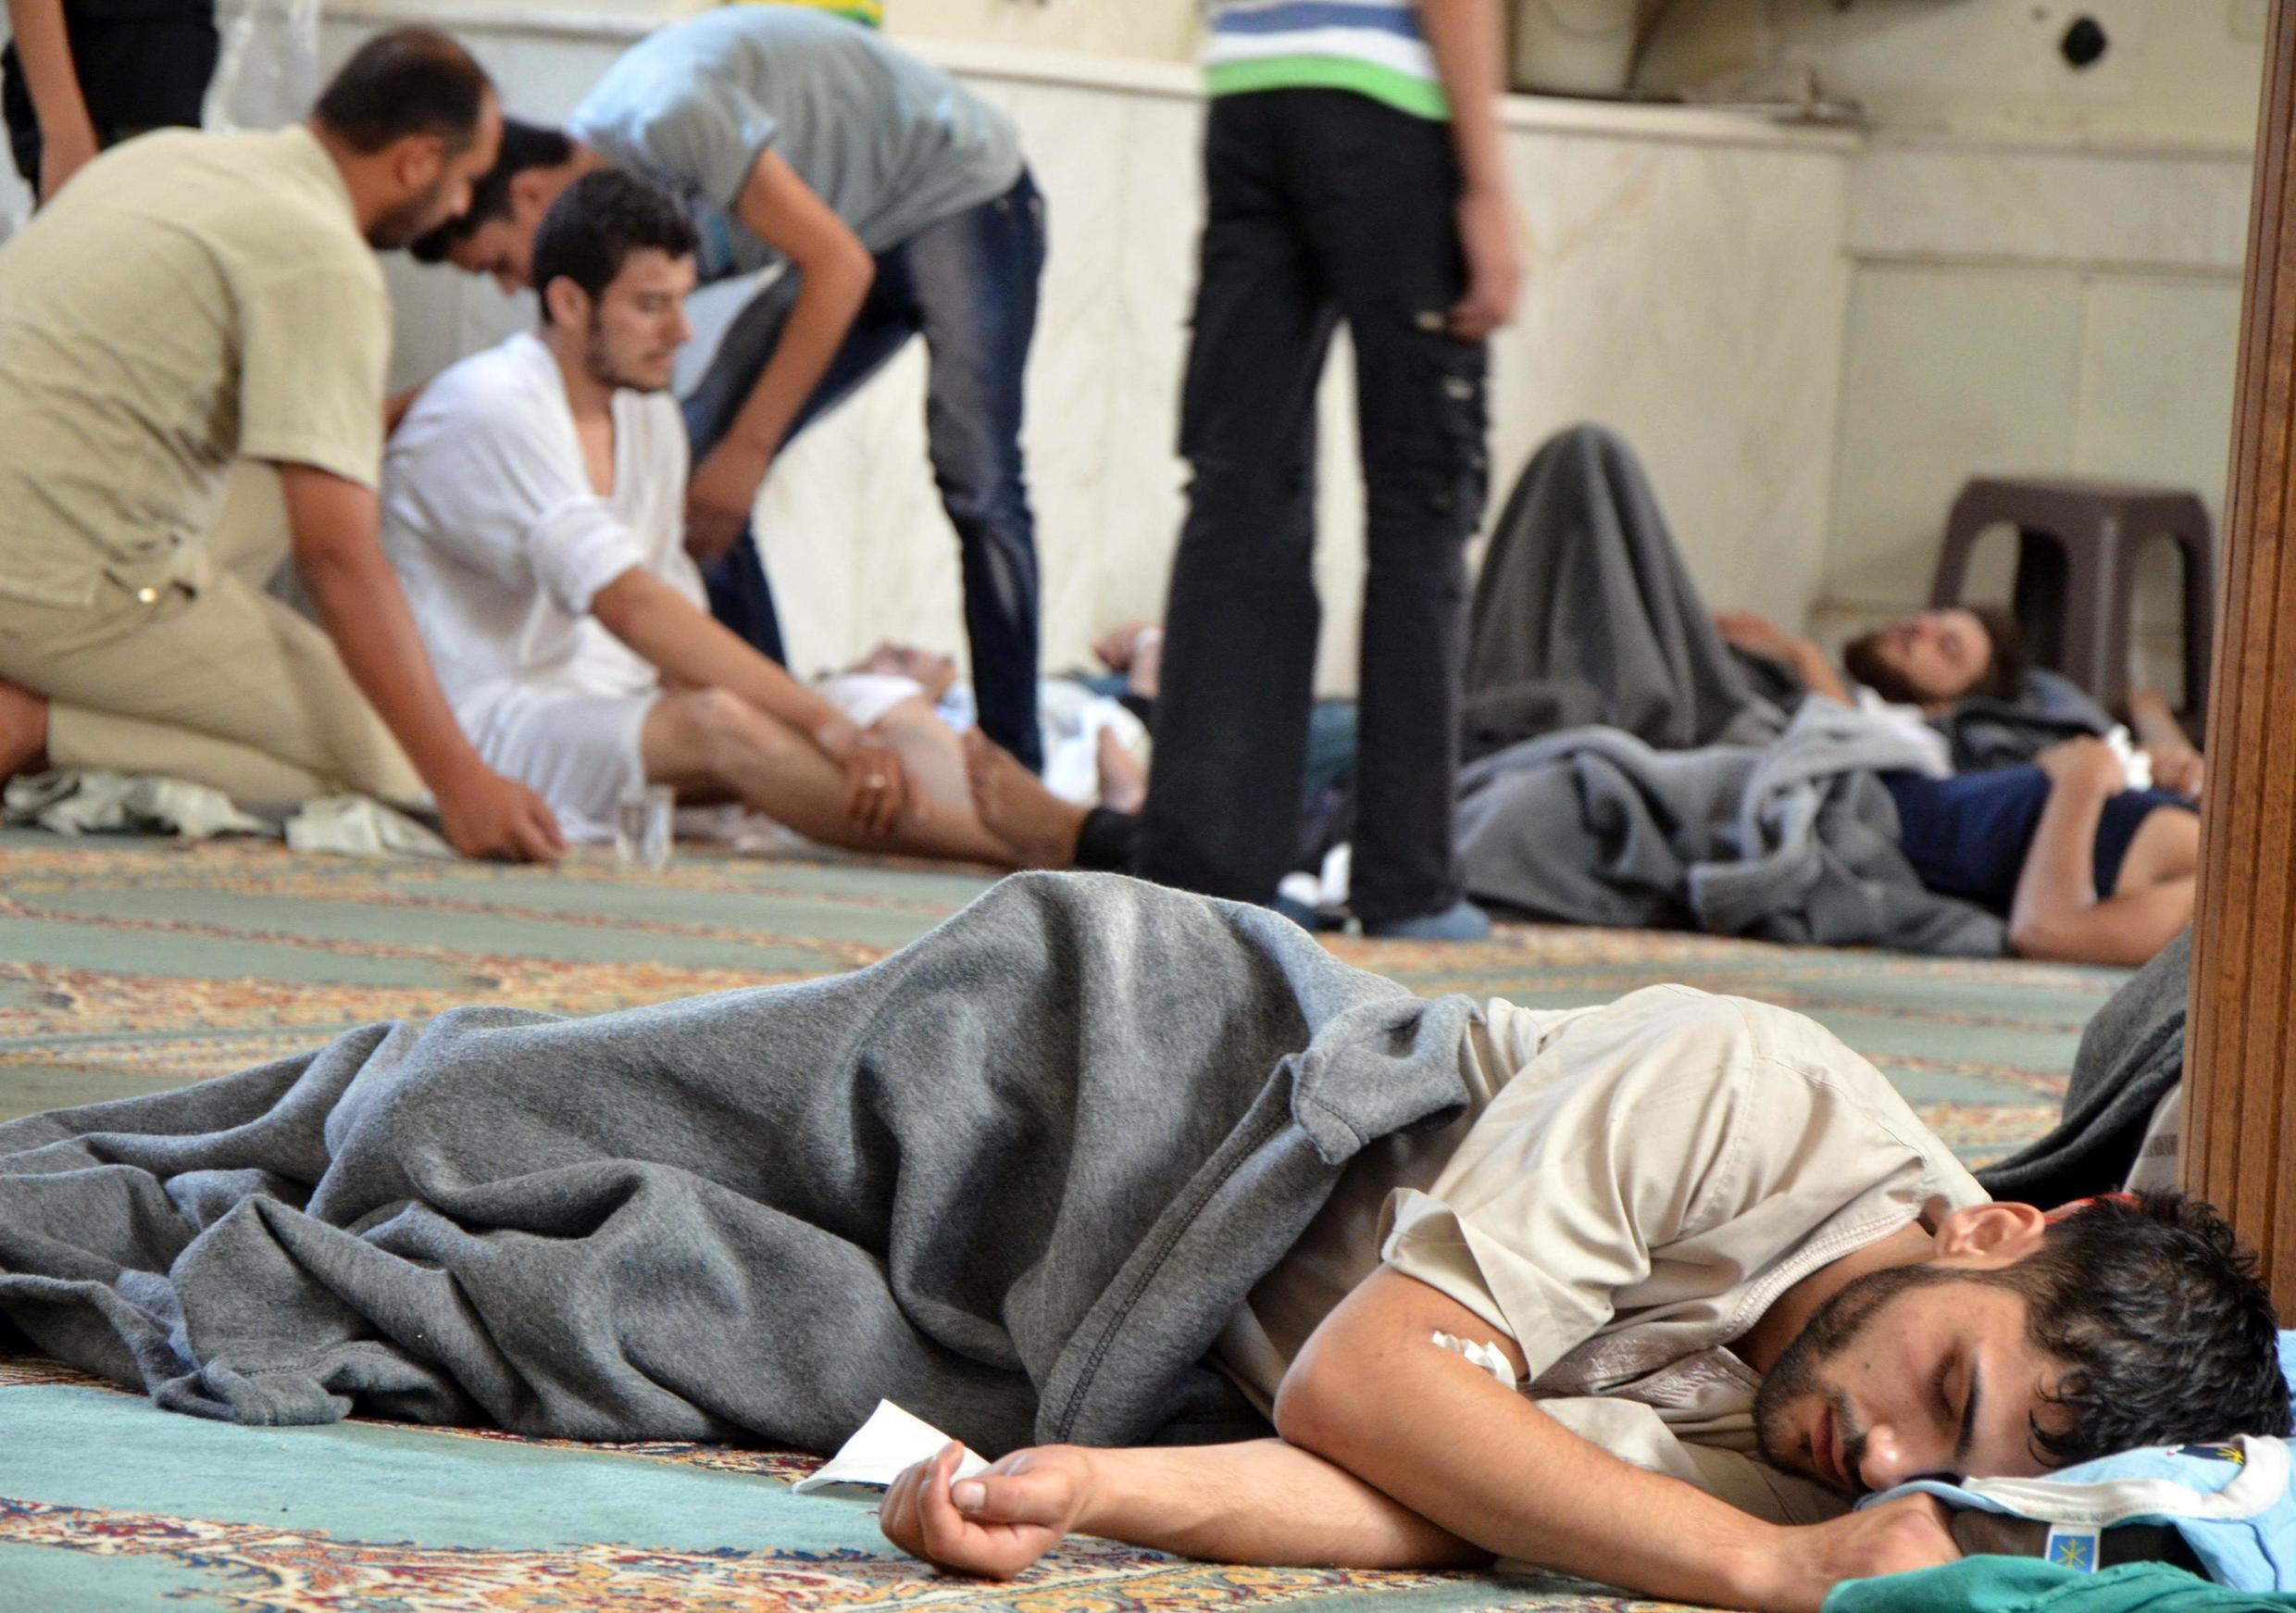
{"x": 1310, "y": 1415}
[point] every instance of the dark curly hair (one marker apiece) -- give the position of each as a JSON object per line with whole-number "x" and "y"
{"x": 2002, "y": 680}
{"x": 2167, "y": 1334}
{"x": 597, "y": 222}
{"x": 524, "y": 145}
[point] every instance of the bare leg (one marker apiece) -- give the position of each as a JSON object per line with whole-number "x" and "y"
{"x": 712, "y": 741}
{"x": 930, "y": 750}
{"x": 1123, "y": 779}
{"x": 1039, "y": 826}
{"x": 23, "y": 731}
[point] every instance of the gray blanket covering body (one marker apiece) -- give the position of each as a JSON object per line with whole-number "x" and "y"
{"x": 1585, "y": 614}
{"x": 1793, "y": 841}
{"x": 1015, "y": 1177}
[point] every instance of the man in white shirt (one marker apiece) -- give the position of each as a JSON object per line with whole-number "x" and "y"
{"x": 1739, "y": 1284}
{"x": 534, "y": 507}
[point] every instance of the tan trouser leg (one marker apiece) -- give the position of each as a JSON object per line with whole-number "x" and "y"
{"x": 225, "y": 687}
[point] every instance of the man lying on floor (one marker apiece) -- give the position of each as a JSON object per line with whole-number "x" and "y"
{"x": 534, "y": 506}
{"x": 1099, "y": 1164}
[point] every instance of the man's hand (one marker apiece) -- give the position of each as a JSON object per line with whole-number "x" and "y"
{"x": 877, "y": 786}
{"x": 1494, "y": 265}
{"x": 2084, "y": 762}
{"x": 1757, "y": 635}
{"x": 1892, "y": 1539}
{"x": 2180, "y": 768}
{"x": 720, "y": 497}
{"x": 489, "y": 815}
{"x": 993, "y": 1525}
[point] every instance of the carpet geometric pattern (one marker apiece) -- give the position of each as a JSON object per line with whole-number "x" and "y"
{"x": 133, "y": 966}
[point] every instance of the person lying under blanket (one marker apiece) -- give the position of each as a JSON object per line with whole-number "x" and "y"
{"x": 1649, "y": 1291}
{"x": 533, "y": 505}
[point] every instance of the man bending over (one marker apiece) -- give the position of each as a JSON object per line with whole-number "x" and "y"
{"x": 534, "y": 505}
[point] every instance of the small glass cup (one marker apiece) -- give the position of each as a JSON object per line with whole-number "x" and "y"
{"x": 642, "y": 826}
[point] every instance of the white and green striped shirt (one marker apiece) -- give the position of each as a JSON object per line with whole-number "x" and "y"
{"x": 1375, "y": 47}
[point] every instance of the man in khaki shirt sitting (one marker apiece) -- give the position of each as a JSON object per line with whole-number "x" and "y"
{"x": 195, "y": 299}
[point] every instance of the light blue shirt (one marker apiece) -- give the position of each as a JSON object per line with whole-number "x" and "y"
{"x": 891, "y": 143}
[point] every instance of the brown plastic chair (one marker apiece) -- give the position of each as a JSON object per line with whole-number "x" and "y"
{"x": 2078, "y": 544}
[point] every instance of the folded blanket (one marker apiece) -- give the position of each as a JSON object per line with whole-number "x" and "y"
{"x": 1791, "y": 840}
{"x": 1015, "y": 1177}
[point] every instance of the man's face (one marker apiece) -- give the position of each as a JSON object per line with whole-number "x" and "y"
{"x": 1906, "y": 1372}
{"x": 503, "y": 246}
{"x": 1939, "y": 654}
{"x": 640, "y": 321}
{"x": 440, "y": 180}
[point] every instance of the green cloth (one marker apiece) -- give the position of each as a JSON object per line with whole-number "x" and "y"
{"x": 1999, "y": 1584}
{"x": 1421, "y": 97}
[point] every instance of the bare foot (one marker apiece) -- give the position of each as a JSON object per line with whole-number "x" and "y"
{"x": 1014, "y": 806}
{"x": 23, "y": 731}
{"x": 1123, "y": 780}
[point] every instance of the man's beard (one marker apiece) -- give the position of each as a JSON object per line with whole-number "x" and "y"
{"x": 598, "y": 360}
{"x": 1824, "y": 1336}
{"x": 410, "y": 220}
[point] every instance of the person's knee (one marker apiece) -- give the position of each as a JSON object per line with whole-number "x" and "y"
{"x": 731, "y": 734}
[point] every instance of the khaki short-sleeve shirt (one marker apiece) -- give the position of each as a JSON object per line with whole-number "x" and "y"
{"x": 1632, "y": 1188}
{"x": 188, "y": 300}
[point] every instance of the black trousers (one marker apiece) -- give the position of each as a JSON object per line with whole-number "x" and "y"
{"x": 1324, "y": 206}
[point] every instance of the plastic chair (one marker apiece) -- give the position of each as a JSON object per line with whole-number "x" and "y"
{"x": 2079, "y": 544}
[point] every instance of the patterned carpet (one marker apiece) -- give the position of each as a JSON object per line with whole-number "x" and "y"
{"x": 130, "y": 966}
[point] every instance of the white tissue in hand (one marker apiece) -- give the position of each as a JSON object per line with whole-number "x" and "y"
{"x": 1489, "y": 1357}
{"x": 882, "y": 1449}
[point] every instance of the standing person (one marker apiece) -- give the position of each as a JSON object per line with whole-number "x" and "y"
{"x": 902, "y": 206}
{"x": 81, "y": 75}
{"x": 1353, "y": 172}
{"x": 195, "y": 299}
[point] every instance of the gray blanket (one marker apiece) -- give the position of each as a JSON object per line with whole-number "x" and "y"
{"x": 1584, "y": 614}
{"x": 1793, "y": 841}
{"x": 1015, "y": 1177}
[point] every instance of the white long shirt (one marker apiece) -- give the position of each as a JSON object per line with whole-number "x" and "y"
{"x": 492, "y": 522}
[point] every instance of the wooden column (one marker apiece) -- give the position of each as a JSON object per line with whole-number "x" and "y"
{"x": 2240, "y": 1081}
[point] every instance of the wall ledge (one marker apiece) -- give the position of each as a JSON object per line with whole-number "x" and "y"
{"x": 1533, "y": 114}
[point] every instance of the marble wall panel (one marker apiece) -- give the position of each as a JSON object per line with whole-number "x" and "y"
{"x": 1945, "y": 375}
{"x": 2101, "y": 209}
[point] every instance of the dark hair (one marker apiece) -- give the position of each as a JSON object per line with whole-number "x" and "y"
{"x": 2004, "y": 678}
{"x": 2168, "y": 1337}
{"x": 524, "y": 145}
{"x": 408, "y": 81}
{"x": 597, "y": 222}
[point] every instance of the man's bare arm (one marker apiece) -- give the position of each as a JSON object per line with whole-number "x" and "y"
{"x": 692, "y": 650}
{"x": 1401, "y": 1454}
{"x": 835, "y": 271}
{"x": 68, "y": 140}
{"x": 2176, "y": 763}
{"x": 1466, "y": 39}
{"x": 334, "y": 524}
{"x": 1372, "y": 1395}
{"x": 1262, "y": 1502}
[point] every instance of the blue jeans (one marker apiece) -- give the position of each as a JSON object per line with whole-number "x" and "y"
{"x": 968, "y": 285}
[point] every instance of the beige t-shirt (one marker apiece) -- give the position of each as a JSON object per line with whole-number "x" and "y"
{"x": 1633, "y": 1186}
{"x": 187, "y": 300}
